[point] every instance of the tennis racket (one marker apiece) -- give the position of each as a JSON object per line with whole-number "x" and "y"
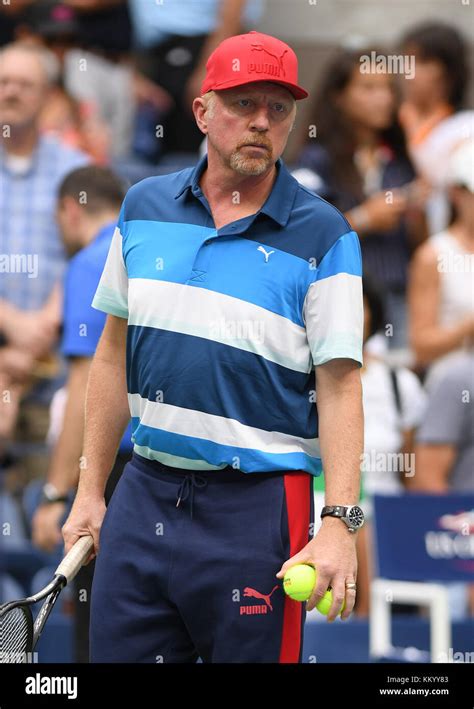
{"x": 18, "y": 633}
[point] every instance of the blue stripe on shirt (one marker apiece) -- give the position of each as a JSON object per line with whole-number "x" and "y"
{"x": 203, "y": 375}
{"x": 250, "y": 460}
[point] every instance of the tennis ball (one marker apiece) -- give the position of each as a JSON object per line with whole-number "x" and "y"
{"x": 325, "y": 604}
{"x": 299, "y": 582}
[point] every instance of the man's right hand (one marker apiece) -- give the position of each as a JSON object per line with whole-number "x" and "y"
{"x": 86, "y": 517}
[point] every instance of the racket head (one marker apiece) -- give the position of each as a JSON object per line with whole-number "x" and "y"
{"x": 16, "y": 633}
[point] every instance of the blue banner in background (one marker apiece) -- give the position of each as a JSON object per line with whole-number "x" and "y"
{"x": 424, "y": 537}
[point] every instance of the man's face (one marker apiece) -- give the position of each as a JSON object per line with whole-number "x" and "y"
{"x": 248, "y": 126}
{"x": 23, "y": 88}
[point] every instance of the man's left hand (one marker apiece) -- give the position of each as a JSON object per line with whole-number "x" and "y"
{"x": 332, "y": 552}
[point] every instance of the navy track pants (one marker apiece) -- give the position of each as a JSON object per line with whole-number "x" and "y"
{"x": 187, "y": 564}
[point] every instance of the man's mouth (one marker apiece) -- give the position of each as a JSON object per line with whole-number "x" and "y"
{"x": 256, "y": 145}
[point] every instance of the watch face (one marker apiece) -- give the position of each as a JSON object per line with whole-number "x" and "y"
{"x": 355, "y": 516}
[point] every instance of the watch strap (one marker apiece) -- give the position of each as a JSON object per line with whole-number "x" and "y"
{"x": 50, "y": 495}
{"x": 334, "y": 511}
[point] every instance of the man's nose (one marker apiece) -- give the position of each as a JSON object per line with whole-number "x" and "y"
{"x": 260, "y": 120}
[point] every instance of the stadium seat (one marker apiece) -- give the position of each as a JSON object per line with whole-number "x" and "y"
{"x": 420, "y": 548}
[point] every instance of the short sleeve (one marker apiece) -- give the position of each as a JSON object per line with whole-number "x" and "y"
{"x": 333, "y": 307}
{"x": 82, "y": 324}
{"x": 112, "y": 292}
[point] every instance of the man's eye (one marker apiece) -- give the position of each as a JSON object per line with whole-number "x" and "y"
{"x": 279, "y": 107}
{"x": 244, "y": 102}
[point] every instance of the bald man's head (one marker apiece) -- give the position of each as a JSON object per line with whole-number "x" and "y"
{"x": 26, "y": 73}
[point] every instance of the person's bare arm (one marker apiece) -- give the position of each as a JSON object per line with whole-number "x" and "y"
{"x": 52, "y": 310}
{"x": 429, "y": 339}
{"x": 333, "y": 549}
{"x": 65, "y": 461}
{"x": 433, "y": 464}
{"x": 106, "y": 417}
{"x": 376, "y": 214}
{"x": 32, "y": 330}
{"x": 64, "y": 468}
{"x": 339, "y": 393}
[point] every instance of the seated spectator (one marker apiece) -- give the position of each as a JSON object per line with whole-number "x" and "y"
{"x": 362, "y": 166}
{"x": 441, "y": 299}
{"x": 31, "y": 167}
{"x": 431, "y": 112}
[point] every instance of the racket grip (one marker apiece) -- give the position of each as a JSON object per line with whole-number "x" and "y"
{"x": 75, "y": 558}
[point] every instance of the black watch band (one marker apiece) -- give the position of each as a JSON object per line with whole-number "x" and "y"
{"x": 50, "y": 495}
{"x": 334, "y": 511}
{"x": 51, "y": 501}
{"x": 351, "y": 515}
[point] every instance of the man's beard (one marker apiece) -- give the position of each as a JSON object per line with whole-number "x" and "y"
{"x": 251, "y": 166}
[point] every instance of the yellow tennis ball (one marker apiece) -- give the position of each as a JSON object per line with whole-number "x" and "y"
{"x": 299, "y": 582}
{"x": 325, "y": 603}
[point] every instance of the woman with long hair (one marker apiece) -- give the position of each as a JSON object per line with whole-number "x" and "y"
{"x": 362, "y": 166}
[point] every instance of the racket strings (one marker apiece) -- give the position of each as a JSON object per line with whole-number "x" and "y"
{"x": 15, "y": 631}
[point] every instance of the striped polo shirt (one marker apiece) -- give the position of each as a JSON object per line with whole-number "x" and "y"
{"x": 226, "y": 326}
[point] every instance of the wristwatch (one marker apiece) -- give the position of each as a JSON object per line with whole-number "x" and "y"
{"x": 50, "y": 494}
{"x": 352, "y": 515}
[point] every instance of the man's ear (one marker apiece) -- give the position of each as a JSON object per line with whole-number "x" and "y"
{"x": 200, "y": 110}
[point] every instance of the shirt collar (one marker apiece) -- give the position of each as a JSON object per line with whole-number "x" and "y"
{"x": 278, "y": 203}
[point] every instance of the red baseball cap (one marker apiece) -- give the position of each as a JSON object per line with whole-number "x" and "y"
{"x": 246, "y": 58}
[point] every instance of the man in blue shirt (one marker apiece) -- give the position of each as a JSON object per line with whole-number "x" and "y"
{"x": 234, "y": 303}
{"x": 89, "y": 201}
